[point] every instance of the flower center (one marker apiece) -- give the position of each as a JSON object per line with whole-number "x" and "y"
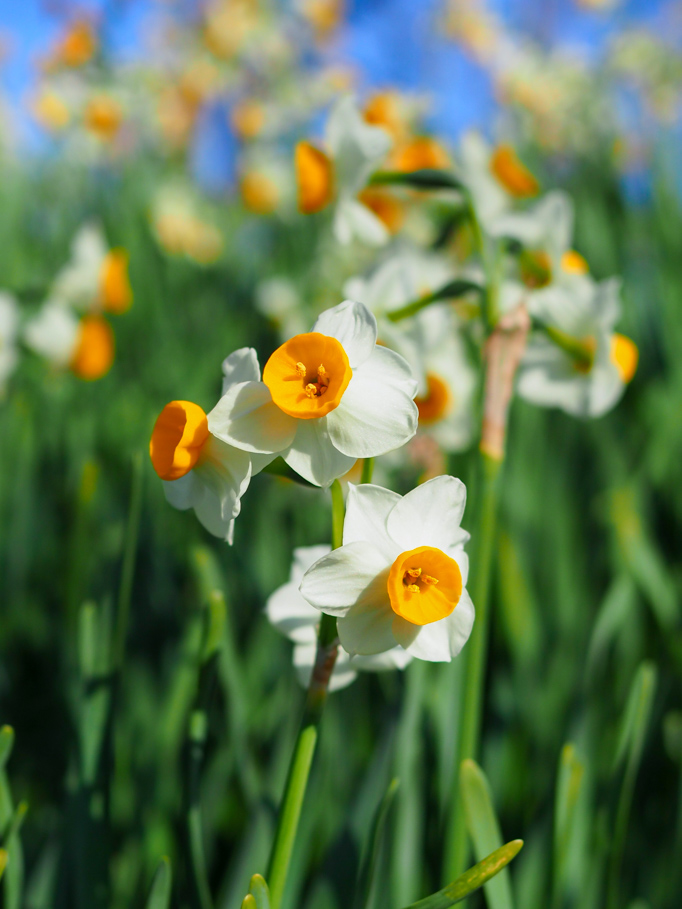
{"x": 424, "y": 585}
{"x": 436, "y": 402}
{"x": 94, "y": 352}
{"x": 314, "y": 178}
{"x": 512, "y": 174}
{"x": 624, "y": 355}
{"x": 114, "y": 284}
{"x": 179, "y": 434}
{"x": 308, "y": 375}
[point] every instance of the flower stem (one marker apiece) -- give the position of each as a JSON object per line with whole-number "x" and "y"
{"x": 476, "y": 656}
{"x": 367, "y": 470}
{"x": 304, "y": 750}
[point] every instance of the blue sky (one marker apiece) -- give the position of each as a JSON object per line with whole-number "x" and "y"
{"x": 390, "y": 41}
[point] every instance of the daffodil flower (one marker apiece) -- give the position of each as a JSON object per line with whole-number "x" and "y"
{"x": 327, "y": 397}
{"x": 96, "y": 278}
{"x": 291, "y": 614}
{"x": 577, "y": 362}
{"x": 84, "y": 345}
{"x": 355, "y": 150}
{"x": 429, "y": 341}
{"x": 496, "y": 180}
{"x": 198, "y": 469}
{"x": 9, "y": 324}
{"x": 400, "y": 576}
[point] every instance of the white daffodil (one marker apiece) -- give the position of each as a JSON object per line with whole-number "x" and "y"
{"x": 429, "y": 341}
{"x": 400, "y": 576}
{"x": 576, "y": 361}
{"x": 291, "y": 614}
{"x": 9, "y": 324}
{"x": 84, "y": 345}
{"x": 326, "y": 398}
{"x": 199, "y": 470}
{"x": 496, "y": 181}
{"x": 96, "y": 277}
{"x": 355, "y": 150}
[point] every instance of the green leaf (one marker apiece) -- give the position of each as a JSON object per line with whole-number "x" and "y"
{"x": 214, "y": 634}
{"x": 249, "y": 902}
{"x": 6, "y": 744}
{"x": 614, "y": 612}
{"x": 160, "y": 893}
{"x": 4, "y": 855}
{"x": 427, "y": 178}
{"x": 484, "y": 829}
{"x": 258, "y": 891}
{"x": 567, "y": 791}
{"x": 476, "y": 877}
{"x": 450, "y": 291}
{"x": 636, "y": 716}
{"x": 370, "y": 859}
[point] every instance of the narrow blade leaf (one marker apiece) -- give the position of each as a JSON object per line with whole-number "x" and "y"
{"x": 160, "y": 893}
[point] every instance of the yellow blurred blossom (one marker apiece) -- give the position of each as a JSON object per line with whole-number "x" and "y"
{"x": 103, "y": 116}
{"x": 50, "y": 111}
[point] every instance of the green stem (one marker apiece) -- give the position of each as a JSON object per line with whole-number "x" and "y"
{"x": 128, "y": 567}
{"x": 579, "y": 350}
{"x": 450, "y": 291}
{"x": 304, "y": 750}
{"x": 367, "y": 470}
{"x": 475, "y": 654}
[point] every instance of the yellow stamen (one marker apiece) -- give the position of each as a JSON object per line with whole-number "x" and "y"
{"x": 424, "y": 585}
{"x": 179, "y": 434}
{"x": 512, "y": 174}
{"x": 625, "y": 356}
{"x": 301, "y": 387}
{"x": 573, "y": 263}
{"x": 94, "y": 351}
{"x": 314, "y": 178}
{"x": 436, "y": 403}
{"x": 115, "y": 290}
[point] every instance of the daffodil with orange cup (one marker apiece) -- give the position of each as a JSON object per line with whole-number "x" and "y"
{"x": 291, "y": 614}
{"x": 338, "y": 172}
{"x": 327, "y": 397}
{"x": 96, "y": 277}
{"x": 575, "y": 360}
{"x": 400, "y": 577}
{"x": 84, "y": 345}
{"x": 200, "y": 471}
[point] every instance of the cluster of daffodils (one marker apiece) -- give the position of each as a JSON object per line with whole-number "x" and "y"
{"x": 71, "y": 331}
{"x": 325, "y": 399}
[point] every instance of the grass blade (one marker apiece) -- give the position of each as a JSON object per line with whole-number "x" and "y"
{"x": 476, "y": 877}
{"x": 484, "y": 829}
{"x": 160, "y": 893}
{"x": 567, "y": 791}
{"x": 375, "y": 841}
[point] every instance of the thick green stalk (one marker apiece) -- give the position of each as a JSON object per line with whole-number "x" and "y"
{"x": 475, "y": 654}
{"x": 128, "y": 566}
{"x": 304, "y": 750}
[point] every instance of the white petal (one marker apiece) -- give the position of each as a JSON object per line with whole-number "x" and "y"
{"x": 304, "y": 558}
{"x": 313, "y": 455}
{"x": 367, "y": 510}
{"x": 439, "y": 642}
{"x": 354, "y": 221}
{"x": 354, "y": 326}
{"x": 240, "y": 366}
{"x": 357, "y": 147}
{"x": 367, "y": 627}
{"x": 353, "y": 575}
{"x": 221, "y": 477}
{"x": 180, "y": 493}
{"x": 291, "y": 614}
{"x": 397, "y": 658}
{"x": 430, "y": 515}
{"x": 53, "y": 333}
{"x": 246, "y": 417}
